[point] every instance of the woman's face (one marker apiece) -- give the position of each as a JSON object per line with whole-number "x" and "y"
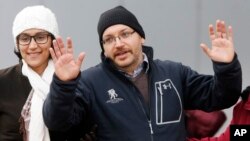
{"x": 34, "y": 47}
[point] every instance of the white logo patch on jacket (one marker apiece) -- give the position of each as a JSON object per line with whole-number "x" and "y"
{"x": 167, "y": 102}
{"x": 113, "y": 97}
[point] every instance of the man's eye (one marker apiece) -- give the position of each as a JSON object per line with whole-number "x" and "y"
{"x": 124, "y": 35}
{"x": 108, "y": 40}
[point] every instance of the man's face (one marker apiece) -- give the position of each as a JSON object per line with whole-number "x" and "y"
{"x": 123, "y": 46}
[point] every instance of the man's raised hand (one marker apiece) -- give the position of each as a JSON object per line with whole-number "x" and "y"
{"x": 66, "y": 66}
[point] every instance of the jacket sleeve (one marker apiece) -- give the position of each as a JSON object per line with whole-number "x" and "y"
{"x": 220, "y": 91}
{"x": 64, "y": 107}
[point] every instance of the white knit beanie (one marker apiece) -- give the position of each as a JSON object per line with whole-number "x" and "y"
{"x": 38, "y": 17}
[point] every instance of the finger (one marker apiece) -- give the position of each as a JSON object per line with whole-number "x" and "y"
{"x": 80, "y": 58}
{"x": 57, "y": 51}
{"x": 69, "y": 45}
{"x": 218, "y": 29}
{"x": 230, "y": 33}
{"x": 61, "y": 45}
{"x": 211, "y": 32}
{"x": 53, "y": 55}
{"x": 223, "y": 30}
{"x": 205, "y": 49}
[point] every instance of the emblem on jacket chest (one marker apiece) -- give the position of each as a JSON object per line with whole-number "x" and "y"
{"x": 168, "y": 103}
{"x": 113, "y": 97}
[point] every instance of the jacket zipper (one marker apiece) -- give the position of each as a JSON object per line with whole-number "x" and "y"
{"x": 149, "y": 121}
{"x": 151, "y": 129}
{"x": 148, "y": 118}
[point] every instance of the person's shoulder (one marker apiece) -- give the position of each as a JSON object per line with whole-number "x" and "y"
{"x": 10, "y": 70}
{"x": 166, "y": 63}
{"x": 240, "y": 105}
{"x": 92, "y": 71}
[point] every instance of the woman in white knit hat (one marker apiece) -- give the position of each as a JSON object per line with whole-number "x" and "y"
{"x": 25, "y": 86}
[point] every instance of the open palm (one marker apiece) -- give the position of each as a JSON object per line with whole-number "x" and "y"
{"x": 66, "y": 67}
{"x": 222, "y": 49}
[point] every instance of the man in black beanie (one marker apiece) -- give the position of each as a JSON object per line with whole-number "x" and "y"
{"x": 118, "y": 15}
{"x": 129, "y": 95}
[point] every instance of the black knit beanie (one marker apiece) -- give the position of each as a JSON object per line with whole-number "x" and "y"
{"x": 118, "y": 15}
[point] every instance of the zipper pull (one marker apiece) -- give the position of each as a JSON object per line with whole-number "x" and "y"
{"x": 150, "y": 126}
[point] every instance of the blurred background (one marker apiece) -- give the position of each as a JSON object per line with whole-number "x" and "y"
{"x": 173, "y": 28}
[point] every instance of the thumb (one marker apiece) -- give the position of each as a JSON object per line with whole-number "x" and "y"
{"x": 205, "y": 49}
{"x": 80, "y": 58}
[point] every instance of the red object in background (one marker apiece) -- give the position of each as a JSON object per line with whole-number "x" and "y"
{"x": 203, "y": 124}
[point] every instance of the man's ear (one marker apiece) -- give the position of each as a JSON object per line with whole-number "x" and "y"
{"x": 142, "y": 41}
